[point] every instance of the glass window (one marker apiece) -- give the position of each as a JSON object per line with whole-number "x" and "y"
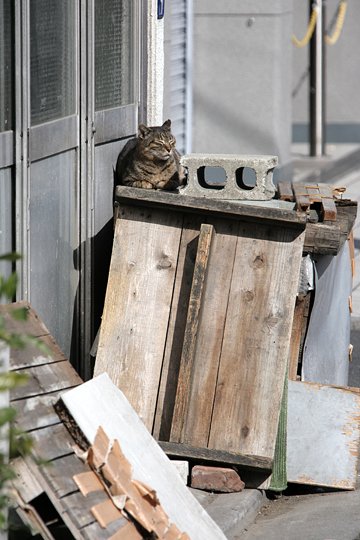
{"x": 114, "y": 53}
{"x": 6, "y": 64}
{"x": 52, "y": 59}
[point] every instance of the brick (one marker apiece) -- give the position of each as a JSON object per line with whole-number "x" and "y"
{"x": 220, "y": 479}
{"x": 263, "y": 166}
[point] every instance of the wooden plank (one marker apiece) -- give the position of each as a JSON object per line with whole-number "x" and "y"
{"x": 95, "y": 532}
{"x": 285, "y": 191}
{"x": 210, "y": 207}
{"x": 301, "y": 308}
{"x": 33, "y": 326}
{"x": 322, "y": 238}
{"x": 323, "y": 435}
{"x": 185, "y": 451}
{"x": 176, "y": 328}
{"x": 210, "y": 335}
{"x": 328, "y": 208}
{"x": 59, "y": 474}
{"x": 301, "y": 196}
{"x": 47, "y": 378}
{"x": 256, "y": 340}
{"x": 36, "y": 412}
{"x": 137, "y": 304}
{"x": 32, "y": 356}
{"x": 25, "y": 482}
{"x": 192, "y": 324}
{"x": 41, "y": 476}
{"x": 99, "y": 402}
{"x": 79, "y": 507}
{"x": 52, "y": 442}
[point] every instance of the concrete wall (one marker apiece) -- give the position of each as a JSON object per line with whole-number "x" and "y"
{"x": 250, "y": 89}
{"x": 242, "y": 77}
{"x": 342, "y": 77}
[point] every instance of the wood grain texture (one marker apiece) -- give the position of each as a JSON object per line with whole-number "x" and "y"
{"x": 52, "y": 442}
{"x": 79, "y": 507}
{"x": 214, "y": 208}
{"x": 285, "y": 191}
{"x": 176, "y": 328}
{"x": 59, "y": 474}
{"x": 36, "y": 412}
{"x": 95, "y": 532}
{"x": 137, "y": 304}
{"x": 185, "y": 451}
{"x": 322, "y": 238}
{"x": 47, "y": 378}
{"x": 187, "y": 362}
{"x": 31, "y": 356}
{"x": 256, "y": 340}
{"x": 209, "y": 336}
{"x": 33, "y": 326}
{"x": 300, "y": 312}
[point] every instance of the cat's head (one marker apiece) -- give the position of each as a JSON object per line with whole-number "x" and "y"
{"x": 156, "y": 143}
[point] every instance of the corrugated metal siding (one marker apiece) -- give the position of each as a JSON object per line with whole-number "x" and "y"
{"x": 175, "y": 77}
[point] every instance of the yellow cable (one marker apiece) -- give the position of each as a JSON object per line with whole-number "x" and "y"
{"x": 310, "y": 30}
{"x": 331, "y": 40}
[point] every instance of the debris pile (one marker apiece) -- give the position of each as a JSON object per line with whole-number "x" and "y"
{"x": 212, "y": 350}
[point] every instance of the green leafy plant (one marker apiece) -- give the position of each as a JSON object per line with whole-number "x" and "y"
{"x": 17, "y": 440}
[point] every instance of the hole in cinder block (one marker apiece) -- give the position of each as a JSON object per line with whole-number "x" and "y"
{"x": 211, "y": 177}
{"x": 246, "y": 178}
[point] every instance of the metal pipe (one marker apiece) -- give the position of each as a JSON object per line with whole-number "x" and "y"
{"x": 317, "y": 84}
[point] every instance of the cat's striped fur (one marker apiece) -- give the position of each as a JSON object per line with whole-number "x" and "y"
{"x": 151, "y": 160}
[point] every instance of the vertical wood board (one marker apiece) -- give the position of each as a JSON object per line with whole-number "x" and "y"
{"x": 301, "y": 307}
{"x": 187, "y": 362}
{"x": 137, "y": 304}
{"x": 210, "y": 335}
{"x": 99, "y": 402}
{"x": 256, "y": 339}
{"x": 176, "y": 328}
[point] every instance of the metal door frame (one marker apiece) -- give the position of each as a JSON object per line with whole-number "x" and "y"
{"x": 86, "y": 129}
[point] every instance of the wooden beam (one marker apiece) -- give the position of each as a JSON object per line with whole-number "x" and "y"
{"x": 185, "y": 451}
{"x": 192, "y": 324}
{"x": 285, "y": 191}
{"x": 216, "y": 208}
{"x": 177, "y": 324}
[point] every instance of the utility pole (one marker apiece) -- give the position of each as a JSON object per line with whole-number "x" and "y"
{"x": 317, "y": 83}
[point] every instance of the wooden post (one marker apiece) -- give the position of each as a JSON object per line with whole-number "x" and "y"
{"x": 189, "y": 346}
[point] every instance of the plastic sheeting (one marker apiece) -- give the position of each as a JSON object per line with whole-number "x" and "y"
{"x": 326, "y": 349}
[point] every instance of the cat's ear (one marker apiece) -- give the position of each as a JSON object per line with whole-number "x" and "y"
{"x": 167, "y": 125}
{"x": 143, "y": 131}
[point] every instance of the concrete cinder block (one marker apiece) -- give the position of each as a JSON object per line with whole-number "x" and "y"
{"x": 220, "y": 479}
{"x": 263, "y": 166}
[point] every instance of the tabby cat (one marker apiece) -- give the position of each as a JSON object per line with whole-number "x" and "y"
{"x": 151, "y": 160}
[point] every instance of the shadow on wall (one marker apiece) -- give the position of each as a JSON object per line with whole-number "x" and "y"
{"x": 101, "y": 248}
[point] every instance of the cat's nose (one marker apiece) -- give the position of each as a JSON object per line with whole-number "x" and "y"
{"x": 168, "y": 147}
